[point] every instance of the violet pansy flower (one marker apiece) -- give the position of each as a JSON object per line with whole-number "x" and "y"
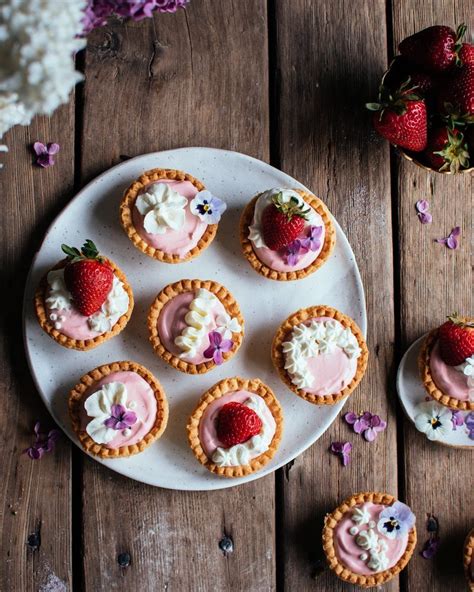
{"x": 207, "y": 207}
{"x": 313, "y": 241}
{"x": 450, "y": 241}
{"x": 422, "y": 207}
{"x": 45, "y": 153}
{"x": 44, "y": 442}
{"x": 217, "y": 346}
{"x": 120, "y": 418}
{"x": 343, "y": 450}
{"x": 396, "y": 520}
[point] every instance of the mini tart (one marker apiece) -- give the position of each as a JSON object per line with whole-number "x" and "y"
{"x": 80, "y": 344}
{"x": 428, "y": 381}
{"x": 94, "y": 376}
{"x": 126, "y": 217}
{"x": 170, "y": 292}
{"x": 220, "y": 389}
{"x": 468, "y": 560}
{"x": 260, "y": 267}
{"x": 305, "y": 314}
{"x": 330, "y": 523}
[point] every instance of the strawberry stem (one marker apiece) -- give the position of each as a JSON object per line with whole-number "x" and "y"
{"x": 89, "y": 251}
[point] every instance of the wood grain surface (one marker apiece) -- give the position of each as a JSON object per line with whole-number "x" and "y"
{"x": 284, "y": 81}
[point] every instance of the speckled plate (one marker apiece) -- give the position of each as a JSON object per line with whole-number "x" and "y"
{"x": 412, "y": 393}
{"x": 94, "y": 213}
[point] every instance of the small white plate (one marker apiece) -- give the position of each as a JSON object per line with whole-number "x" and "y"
{"x": 94, "y": 214}
{"x": 411, "y": 393}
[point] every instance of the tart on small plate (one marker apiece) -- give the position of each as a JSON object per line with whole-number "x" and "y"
{"x": 236, "y": 427}
{"x": 84, "y": 300}
{"x": 446, "y": 363}
{"x": 195, "y": 325}
{"x": 320, "y": 354}
{"x": 286, "y": 234}
{"x": 369, "y": 538}
{"x": 169, "y": 215}
{"x": 118, "y": 409}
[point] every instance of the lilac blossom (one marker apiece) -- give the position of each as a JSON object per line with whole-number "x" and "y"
{"x": 343, "y": 450}
{"x": 469, "y": 423}
{"x": 44, "y": 442}
{"x": 367, "y": 424}
{"x": 422, "y": 207}
{"x": 293, "y": 251}
{"x": 313, "y": 241}
{"x": 121, "y": 418}
{"x": 217, "y": 346}
{"x": 450, "y": 241}
{"x": 45, "y": 153}
{"x": 457, "y": 419}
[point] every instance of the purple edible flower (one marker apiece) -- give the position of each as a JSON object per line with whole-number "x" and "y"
{"x": 376, "y": 425}
{"x": 396, "y": 520}
{"x": 43, "y": 442}
{"x": 45, "y": 154}
{"x": 343, "y": 450}
{"x": 121, "y": 418}
{"x": 366, "y": 424}
{"x": 457, "y": 419}
{"x": 217, "y": 345}
{"x": 313, "y": 241}
{"x": 292, "y": 252}
{"x": 450, "y": 241}
{"x": 430, "y": 548}
{"x": 469, "y": 423}
{"x": 422, "y": 207}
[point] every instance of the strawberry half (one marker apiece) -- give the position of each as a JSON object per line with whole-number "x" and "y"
{"x": 237, "y": 423}
{"x": 88, "y": 278}
{"x": 446, "y": 150}
{"x": 456, "y": 340}
{"x": 282, "y": 222}
{"x": 434, "y": 49}
{"x": 401, "y": 117}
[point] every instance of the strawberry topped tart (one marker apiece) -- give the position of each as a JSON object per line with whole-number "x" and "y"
{"x": 369, "y": 538}
{"x": 286, "y": 234}
{"x": 84, "y": 300}
{"x": 446, "y": 363}
{"x": 320, "y": 354}
{"x": 195, "y": 325}
{"x": 169, "y": 215}
{"x": 236, "y": 427}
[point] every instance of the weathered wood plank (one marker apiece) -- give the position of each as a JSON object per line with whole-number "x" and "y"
{"x": 35, "y": 494}
{"x": 434, "y": 282}
{"x": 195, "y": 78}
{"x": 330, "y": 56}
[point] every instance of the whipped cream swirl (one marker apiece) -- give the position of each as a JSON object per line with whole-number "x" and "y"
{"x": 318, "y": 337}
{"x": 99, "y": 407}
{"x": 163, "y": 208}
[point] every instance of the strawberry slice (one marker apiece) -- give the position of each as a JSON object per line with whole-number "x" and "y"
{"x": 282, "y": 222}
{"x": 88, "y": 278}
{"x": 237, "y": 423}
{"x": 456, "y": 340}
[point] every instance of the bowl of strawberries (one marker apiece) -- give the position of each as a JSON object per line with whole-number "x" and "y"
{"x": 425, "y": 105}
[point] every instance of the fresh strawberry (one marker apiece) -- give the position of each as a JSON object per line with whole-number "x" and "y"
{"x": 282, "y": 222}
{"x": 466, "y": 54}
{"x": 434, "y": 49}
{"x": 401, "y": 117}
{"x": 457, "y": 94}
{"x": 88, "y": 278}
{"x": 456, "y": 340}
{"x": 446, "y": 150}
{"x": 401, "y": 71}
{"x": 237, "y": 423}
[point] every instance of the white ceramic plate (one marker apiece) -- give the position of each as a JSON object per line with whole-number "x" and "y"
{"x": 412, "y": 392}
{"x": 94, "y": 214}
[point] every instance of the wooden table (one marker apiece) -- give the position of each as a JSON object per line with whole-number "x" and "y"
{"x": 284, "y": 81}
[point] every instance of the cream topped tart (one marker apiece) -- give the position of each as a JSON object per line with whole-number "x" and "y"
{"x": 369, "y": 538}
{"x": 286, "y": 234}
{"x": 446, "y": 363}
{"x": 236, "y": 427}
{"x": 195, "y": 325}
{"x": 169, "y": 215}
{"x": 118, "y": 410}
{"x": 84, "y": 299}
{"x": 320, "y": 354}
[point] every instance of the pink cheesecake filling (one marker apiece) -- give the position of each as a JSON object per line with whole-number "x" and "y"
{"x": 174, "y": 242}
{"x": 171, "y": 324}
{"x": 207, "y": 426}
{"x": 348, "y": 552}
{"x": 276, "y": 259}
{"x": 449, "y": 380}
{"x": 141, "y": 394}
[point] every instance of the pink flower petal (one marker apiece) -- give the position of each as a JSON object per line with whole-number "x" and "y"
{"x": 39, "y": 148}
{"x": 451, "y": 242}
{"x": 218, "y": 359}
{"x": 425, "y": 218}
{"x": 441, "y": 241}
{"x": 422, "y": 206}
{"x": 455, "y": 231}
{"x": 370, "y": 434}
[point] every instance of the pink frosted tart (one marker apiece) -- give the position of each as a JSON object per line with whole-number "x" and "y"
{"x": 59, "y": 316}
{"x": 320, "y": 354}
{"x": 301, "y": 256}
{"x": 236, "y": 427}
{"x": 369, "y": 538}
{"x": 451, "y": 385}
{"x": 118, "y": 410}
{"x": 195, "y": 325}
{"x": 169, "y": 215}
{"x": 468, "y": 560}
